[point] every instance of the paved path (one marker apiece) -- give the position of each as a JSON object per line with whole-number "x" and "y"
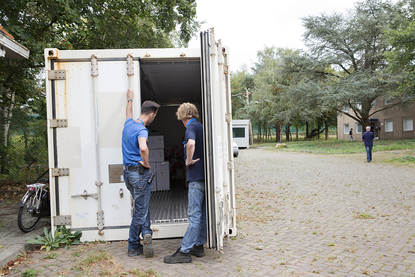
{"x": 298, "y": 215}
{"x": 12, "y": 240}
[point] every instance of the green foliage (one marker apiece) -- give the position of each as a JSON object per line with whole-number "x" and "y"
{"x": 401, "y": 35}
{"x": 242, "y": 87}
{"x": 72, "y": 24}
{"x": 356, "y": 46}
{"x": 345, "y": 65}
{"x": 30, "y": 273}
{"x": 63, "y": 237}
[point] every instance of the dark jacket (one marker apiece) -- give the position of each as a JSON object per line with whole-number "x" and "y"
{"x": 368, "y": 137}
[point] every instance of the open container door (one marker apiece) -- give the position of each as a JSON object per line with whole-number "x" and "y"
{"x": 218, "y": 167}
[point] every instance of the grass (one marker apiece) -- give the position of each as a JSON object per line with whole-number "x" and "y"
{"x": 95, "y": 258}
{"x": 51, "y": 256}
{"x": 334, "y": 146}
{"x": 365, "y": 216}
{"x": 30, "y": 273}
{"x": 405, "y": 160}
{"x": 147, "y": 273}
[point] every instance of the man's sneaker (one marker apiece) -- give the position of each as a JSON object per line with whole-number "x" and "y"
{"x": 148, "y": 246}
{"x": 178, "y": 258}
{"x": 135, "y": 252}
{"x": 198, "y": 251}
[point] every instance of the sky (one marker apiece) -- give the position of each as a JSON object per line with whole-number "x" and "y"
{"x": 247, "y": 26}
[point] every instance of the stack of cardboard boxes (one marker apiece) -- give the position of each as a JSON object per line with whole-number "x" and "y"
{"x": 159, "y": 166}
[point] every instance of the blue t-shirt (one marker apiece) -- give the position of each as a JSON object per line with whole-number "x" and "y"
{"x": 130, "y": 147}
{"x": 194, "y": 130}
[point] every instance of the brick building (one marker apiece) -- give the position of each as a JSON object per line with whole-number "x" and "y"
{"x": 394, "y": 123}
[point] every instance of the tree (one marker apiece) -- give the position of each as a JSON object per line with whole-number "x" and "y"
{"x": 401, "y": 35}
{"x": 242, "y": 87}
{"x": 355, "y": 45}
{"x": 80, "y": 24}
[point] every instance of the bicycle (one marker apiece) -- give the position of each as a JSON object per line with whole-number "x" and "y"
{"x": 34, "y": 205}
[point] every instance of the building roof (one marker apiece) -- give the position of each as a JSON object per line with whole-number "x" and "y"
{"x": 10, "y": 48}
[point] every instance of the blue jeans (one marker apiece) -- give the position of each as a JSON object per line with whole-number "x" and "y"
{"x": 140, "y": 190}
{"x": 368, "y": 152}
{"x": 196, "y": 213}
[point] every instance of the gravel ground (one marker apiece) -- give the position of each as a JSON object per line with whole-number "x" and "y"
{"x": 298, "y": 215}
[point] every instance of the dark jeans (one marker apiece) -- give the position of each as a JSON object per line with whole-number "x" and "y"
{"x": 140, "y": 190}
{"x": 369, "y": 152}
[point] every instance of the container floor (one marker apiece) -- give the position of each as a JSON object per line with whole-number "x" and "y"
{"x": 168, "y": 206}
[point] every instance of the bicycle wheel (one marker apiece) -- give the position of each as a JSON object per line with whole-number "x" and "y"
{"x": 27, "y": 218}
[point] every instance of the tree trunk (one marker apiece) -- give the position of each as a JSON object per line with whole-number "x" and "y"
{"x": 287, "y": 132}
{"x": 326, "y": 129}
{"x": 306, "y": 130}
{"x": 296, "y": 133}
{"x": 278, "y": 132}
{"x": 318, "y": 129}
{"x": 7, "y": 113}
{"x": 259, "y": 133}
{"x": 251, "y": 135}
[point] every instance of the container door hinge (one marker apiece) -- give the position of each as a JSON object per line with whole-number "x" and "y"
{"x": 100, "y": 220}
{"x": 57, "y": 172}
{"x": 226, "y": 70}
{"x": 57, "y": 74}
{"x": 62, "y": 220}
{"x": 94, "y": 66}
{"x": 58, "y": 123}
{"x": 228, "y": 117}
{"x": 130, "y": 65}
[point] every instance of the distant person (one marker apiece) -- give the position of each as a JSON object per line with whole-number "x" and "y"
{"x": 137, "y": 174}
{"x": 351, "y": 134}
{"x": 368, "y": 137}
{"x": 195, "y": 236}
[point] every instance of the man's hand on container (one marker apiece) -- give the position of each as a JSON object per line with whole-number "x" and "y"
{"x": 130, "y": 95}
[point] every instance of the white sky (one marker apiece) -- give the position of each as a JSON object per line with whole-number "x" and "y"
{"x": 247, "y": 26}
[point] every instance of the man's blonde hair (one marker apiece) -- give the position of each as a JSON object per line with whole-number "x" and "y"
{"x": 187, "y": 111}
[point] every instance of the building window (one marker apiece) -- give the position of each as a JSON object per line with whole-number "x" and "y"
{"x": 374, "y": 103}
{"x": 408, "y": 124}
{"x": 238, "y": 132}
{"x": 389, "y": 125}
{"x": 358, "y": 128}
{"x": 345, "y": 109}
{"x": 359, "y": 107}
{"x": 388, "y": 100}
{"x": 346, "y": 129}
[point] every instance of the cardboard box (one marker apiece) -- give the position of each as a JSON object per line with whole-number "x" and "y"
{"x": 155, "y": 142}
{"x": 163, "y": 176}
{"x": 156, "y": 155}
{"x": 153, "y": 171}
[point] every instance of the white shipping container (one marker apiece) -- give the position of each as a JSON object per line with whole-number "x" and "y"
{"x": 86, "y": 101}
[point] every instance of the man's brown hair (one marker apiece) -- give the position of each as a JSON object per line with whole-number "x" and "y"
{"x": 187, "y": 111}
{"x": 149, "y": 107}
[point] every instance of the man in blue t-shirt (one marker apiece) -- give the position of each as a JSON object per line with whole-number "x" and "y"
{"x": 368, "y": 137}
{"x": 195, "y": 237}
{"x": 137, "y": 174}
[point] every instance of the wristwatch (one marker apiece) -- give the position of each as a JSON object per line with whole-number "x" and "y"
{"x": 128, "y": 100}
